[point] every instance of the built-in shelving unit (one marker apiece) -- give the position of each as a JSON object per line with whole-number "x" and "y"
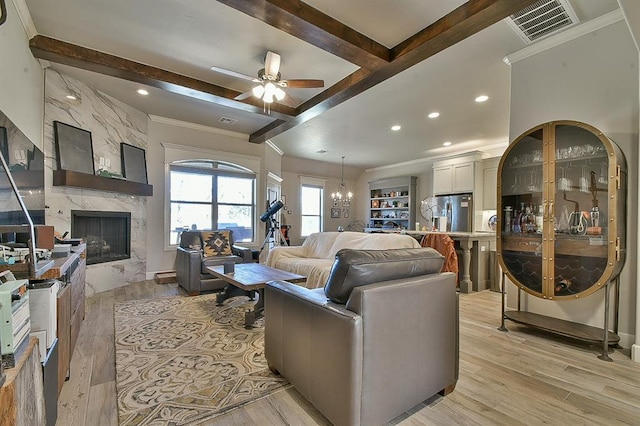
{"x": 87, "y": 181}
{"x": 392, "y": 203}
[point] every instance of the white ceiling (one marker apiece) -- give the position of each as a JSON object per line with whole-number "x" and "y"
{"x": 190, "y": 36}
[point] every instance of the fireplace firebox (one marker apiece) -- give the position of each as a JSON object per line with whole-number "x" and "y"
{"x": 107, "y": 234}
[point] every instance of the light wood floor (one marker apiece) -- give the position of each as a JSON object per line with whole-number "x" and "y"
{"x": 519, "y": 377}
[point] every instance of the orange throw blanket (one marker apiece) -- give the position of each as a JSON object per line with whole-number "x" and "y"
{"x": 445, "y": 245}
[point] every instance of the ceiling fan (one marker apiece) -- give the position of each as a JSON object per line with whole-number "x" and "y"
{"x": 270, "y": 83}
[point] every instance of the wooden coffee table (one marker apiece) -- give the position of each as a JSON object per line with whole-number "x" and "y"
{"x": 251, "y": 277}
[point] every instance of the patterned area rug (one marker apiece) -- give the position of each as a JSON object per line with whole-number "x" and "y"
{"x": 184, "y": 360}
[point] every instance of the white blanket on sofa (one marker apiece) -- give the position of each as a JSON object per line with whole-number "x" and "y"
{"x": 315, "y": 256}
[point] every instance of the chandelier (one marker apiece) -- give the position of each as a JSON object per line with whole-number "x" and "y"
{"x": 342, "y": 194}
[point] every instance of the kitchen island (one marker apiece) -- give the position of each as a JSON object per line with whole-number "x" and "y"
{"x": 475, "y": 271}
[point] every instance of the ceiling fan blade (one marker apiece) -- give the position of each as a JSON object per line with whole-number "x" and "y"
{"x": 303, "y": 83}
{"x": 290, "y": 101}
{"x": 243, "y": 96}
{"x": 272, "y": 64}
{"x": 234, "y": 74}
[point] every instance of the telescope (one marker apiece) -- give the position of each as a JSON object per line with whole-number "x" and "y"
{"x": 273, "y": 209}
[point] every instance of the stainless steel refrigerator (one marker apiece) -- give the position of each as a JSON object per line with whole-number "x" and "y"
{"x": 452, "y": 213}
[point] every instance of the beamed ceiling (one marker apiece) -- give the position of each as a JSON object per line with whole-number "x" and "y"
{"x": 351, "y": 62}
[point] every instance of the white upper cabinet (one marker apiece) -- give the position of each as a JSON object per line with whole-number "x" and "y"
{"x": 442, "y": 180}
{"x": 463, "y": 178}
{"x": 453, "y": 178}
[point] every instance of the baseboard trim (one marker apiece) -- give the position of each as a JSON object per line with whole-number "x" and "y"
{"x": 635, "y": 353}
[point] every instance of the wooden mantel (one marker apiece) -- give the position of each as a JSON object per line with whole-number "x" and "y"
{"x": 87, "y": 181}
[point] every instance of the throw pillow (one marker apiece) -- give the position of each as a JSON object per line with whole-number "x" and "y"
{"x": 217, "y": 243}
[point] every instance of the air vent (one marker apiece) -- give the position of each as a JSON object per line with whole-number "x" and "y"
{"x": 226, "y": 120}
{"x": 542, "y": 19}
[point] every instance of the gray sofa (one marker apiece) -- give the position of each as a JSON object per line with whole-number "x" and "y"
{"x": 191, "y": 261}
{"x": 381, "y": 337}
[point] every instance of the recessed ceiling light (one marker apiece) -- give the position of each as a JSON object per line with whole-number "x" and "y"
{"x": 447, "y": 143}
{"x": 71, "y": 97}
{"x": 482, "y": 98}
{"x": 142, "y": 92}
{"x": 434, "y": 114}
{"x": 321, "y": 151}
{"x": 396, "y": 127}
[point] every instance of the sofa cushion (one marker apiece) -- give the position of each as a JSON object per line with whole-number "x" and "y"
{"x": 318, "y": 245}
{"x": 354, "y": 268}
{"x": 316, "y": 270}
{"x": 374, "y": 241}
{"x": 217, "y": 243}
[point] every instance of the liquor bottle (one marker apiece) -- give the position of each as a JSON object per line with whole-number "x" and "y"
{"x": 595, "y": 217}
{"x": 507, "y": 218}
{"x": 517, "y": 218}
{"x": 523, "y": 218}
{"x": 539, "y": 219}
{"x": 531, "y": 219}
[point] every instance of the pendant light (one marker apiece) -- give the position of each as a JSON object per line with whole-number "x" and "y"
{"x": 342, "y": 194}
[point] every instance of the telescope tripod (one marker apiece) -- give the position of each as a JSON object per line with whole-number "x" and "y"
{"x": 274, "y": 233}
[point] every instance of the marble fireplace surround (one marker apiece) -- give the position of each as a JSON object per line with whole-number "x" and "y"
{"x": 110, "y": 122}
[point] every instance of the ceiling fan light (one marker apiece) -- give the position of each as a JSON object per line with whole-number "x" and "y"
{"x": 268, "y": 98}
{"x": 269, "y": 89}
{"x": 258, "y": 91}
{"x": 279, "y": 93}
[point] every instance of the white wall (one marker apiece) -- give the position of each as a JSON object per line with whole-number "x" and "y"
{"x": 22, "y": 95}
{"x": 631, "y": 11}
{"x": 593, "y": 79}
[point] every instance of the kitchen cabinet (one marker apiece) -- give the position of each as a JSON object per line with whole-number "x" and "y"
{"x": 463, "y": 177}
{"x": 454, "y": 178}
{"x": 392, "y": 203}
{"x": 442, "y": 180}
{"x": 561, "y": 226}
{"x": 489, "y": 184}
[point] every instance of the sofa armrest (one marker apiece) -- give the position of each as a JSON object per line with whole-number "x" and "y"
{"x": 277, "y": 253}
{"x": 245, "y": 253}
{"x": 412, "y": 325}
{"x": 317, "y": 346}
{"x": 188, "y": 264}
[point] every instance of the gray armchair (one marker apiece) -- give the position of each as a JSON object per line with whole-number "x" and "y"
{"x": 381, "y": 338}
{"x": 195, "y": 253}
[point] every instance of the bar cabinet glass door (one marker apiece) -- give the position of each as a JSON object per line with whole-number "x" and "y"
{"x": 562, "y": 194}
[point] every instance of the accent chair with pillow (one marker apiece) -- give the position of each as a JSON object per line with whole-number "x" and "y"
{"x": 378, "y": 339}
{"x": 199, "y": 249}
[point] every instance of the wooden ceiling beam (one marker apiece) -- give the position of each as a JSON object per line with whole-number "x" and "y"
{"x": 80, "y": 57}
{"x": 466, "y": 20}
{"x": 314, "y": 27}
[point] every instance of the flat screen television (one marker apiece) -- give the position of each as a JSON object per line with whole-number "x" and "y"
{"x": 25, "y": 161}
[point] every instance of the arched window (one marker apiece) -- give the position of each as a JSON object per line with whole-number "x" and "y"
{"x": 207, "y": 195}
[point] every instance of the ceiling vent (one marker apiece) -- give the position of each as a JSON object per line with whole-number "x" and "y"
{"x": 226, "y": 120}
{"x": 542, "y": 18}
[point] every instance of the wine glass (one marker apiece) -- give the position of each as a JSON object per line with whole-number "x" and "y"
{"x": 603, "y": 178}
